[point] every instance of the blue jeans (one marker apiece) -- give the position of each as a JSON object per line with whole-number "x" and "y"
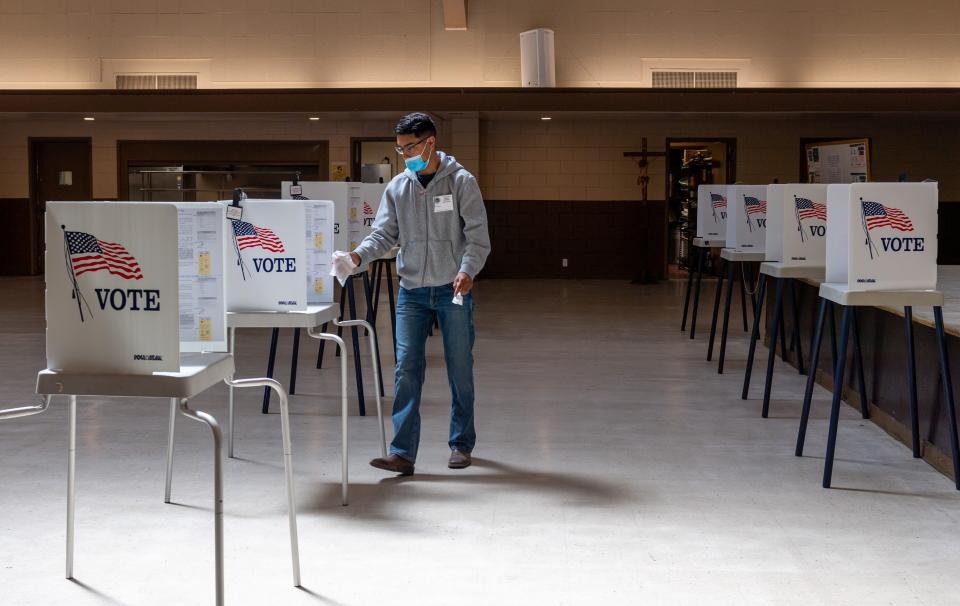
{"x": 415, "y": 312}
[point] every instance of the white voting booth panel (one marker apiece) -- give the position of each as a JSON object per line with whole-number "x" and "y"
{"x": 747, "y": 217}
{"x": 797, "y": 224}
{"x": 117, "y": 272}
{"x": 712, "y": 212}
{"x": 203, "y": 290}
{"x": 882, "y": 236}
{"x": 265, "y": 254}
{"x": 356, "y": 206}
{"x": 319, "y": 243}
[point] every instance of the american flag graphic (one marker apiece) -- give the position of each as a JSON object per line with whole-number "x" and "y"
{"x": 808, "y": 209}
{"x": 754, "y": 205}
{"x": 88, "y": 254}
{"x": 719, "y": 202}
{"x": 367, "y": 209}
{"x": 878, "y": 215}
{"x": 249, "y": 235}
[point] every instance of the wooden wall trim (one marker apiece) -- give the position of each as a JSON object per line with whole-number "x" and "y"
{"x": 803, "y": 100}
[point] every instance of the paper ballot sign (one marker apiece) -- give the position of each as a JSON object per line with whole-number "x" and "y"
{"x": 747, "y": 217}
{"x": 712, "y": 212}
{"x": 797, "y": 224}
{"x": 203, "y": 325}
{"x": 264, "y": 255}
{"x": 319, "y": 250}
{"x": 882, "y": 236}
{"x": 112, "y": 287}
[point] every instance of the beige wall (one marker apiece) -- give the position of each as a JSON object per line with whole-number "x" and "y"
{"x": 568, "y": 158}
{"x": 82, "y": 43}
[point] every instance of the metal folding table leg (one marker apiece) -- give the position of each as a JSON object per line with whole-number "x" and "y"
{"x": 726, "y": 315}
{"x": 274, "y": 336}
{"x": 322, "y": 343}
{"x": 171, "y": 430}
{"x": 743, "y": 296}
{"x": 211, "y": 422}
{"x": 858, "y": 355}
{"x": 293, "y": 362}
{"x": 71, "y": 478}
{"x": 948, "y": 393}
{"x": 771, "y": 358}
{"x": 811, "y": 376}
{"x": 356, "y": 344}
{"x": 686, "y": 298}
{"x": 696, "y": 292}
{"x": 393, "y": 308}
{"x": 755, "y": 335}
{"x": 845, "y": 323}
{"x": 371, "y": 323}
{"x": 912, "y": 382}
{"x": 796, "y": 327}
{"x": 716, "y": 307}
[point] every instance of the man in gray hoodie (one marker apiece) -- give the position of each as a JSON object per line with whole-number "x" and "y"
{"x": 435, "y": 212}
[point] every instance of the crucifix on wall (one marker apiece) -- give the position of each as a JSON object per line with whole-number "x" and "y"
{"x": 642, "y": 158}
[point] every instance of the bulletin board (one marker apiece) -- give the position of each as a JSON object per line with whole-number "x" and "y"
{"x": 844, "y": 161}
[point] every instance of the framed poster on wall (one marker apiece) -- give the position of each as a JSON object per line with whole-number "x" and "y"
{"x": 841, "y": 161}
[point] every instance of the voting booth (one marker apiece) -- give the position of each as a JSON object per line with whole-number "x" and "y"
{"x": 712, "y": 212}
{"x": 882, "y": 236}
{"x": 355, "y": 206}
{"x": 265, "y": 254}
{"x": 746, "y": 217}
{"x": 797, "y": 224}
{"x": 145, "y": 278}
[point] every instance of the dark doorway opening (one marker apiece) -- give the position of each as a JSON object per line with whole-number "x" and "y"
{"x": 373, "y": 159}
{"x": 60, "y": 169}
{"x": 692, "y": 162}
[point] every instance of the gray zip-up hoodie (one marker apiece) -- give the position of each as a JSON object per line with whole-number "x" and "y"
{"x": 442, "y": 230}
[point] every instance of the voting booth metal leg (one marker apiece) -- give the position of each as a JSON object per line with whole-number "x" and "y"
{"x": 293, "y": 362}
{"x": 71, "y": 479}
{"x": 726, "y": 315}
{"x": 743, "y": 297}
{"x": 320, "y": 348}
{"x": 171, "y": 431}
{"x": 845, "y": 322}
{"x": 811, "y": 376}
{"x": 274, "y": 337}
{"x": 356, "y": 343}
{"x": 343, "y": 311}
{"x": 716, "y": 308}
{"x": 393, "y": 308}
{"x": 772, "y": 356}
{"x": 912, "y": 382}
{"x": 948, "y": 393}
{"x": 686, "y": 298}
{"x": 344, "y": 411}
{"x": 861, "y": 384}
{"x": 696, "y": 293}
{"x": 798, "y": 349}
{"x": 754, "y": 335}
{"x": 211, "y": 422}
{"x": 372, "y": 326}
{"x": 231, "y": 417}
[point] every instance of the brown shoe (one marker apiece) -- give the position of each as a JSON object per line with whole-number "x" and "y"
{"x": 394, "y": 463}
{"x": 459, "y": 460}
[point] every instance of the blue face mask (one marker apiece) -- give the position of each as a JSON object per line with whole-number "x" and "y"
{"x": 416, "y": 163}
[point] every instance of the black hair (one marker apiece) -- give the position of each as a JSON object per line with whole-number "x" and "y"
{"x": 416, "y": 124}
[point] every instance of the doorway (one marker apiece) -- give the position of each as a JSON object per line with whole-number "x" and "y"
{"x": 60, "y": 169}
{"x": 692, "y": 162}
{"x": 374, "y": 159}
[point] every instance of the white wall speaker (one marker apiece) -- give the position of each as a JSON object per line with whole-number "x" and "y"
{"x": 538, "y": 66}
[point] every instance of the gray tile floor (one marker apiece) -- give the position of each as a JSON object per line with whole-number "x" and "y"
{"x": 614, "y": 466}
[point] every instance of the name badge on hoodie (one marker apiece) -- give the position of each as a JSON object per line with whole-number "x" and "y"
{"x": 442, "y": 204}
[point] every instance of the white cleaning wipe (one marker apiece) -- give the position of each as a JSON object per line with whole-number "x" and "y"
{"x": 343, "y": 266}
{"x": 457, "y": 299}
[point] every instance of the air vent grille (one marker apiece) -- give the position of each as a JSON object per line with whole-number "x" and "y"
{"x": 694, "y": 79}
{"x": 156, "y": 81}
